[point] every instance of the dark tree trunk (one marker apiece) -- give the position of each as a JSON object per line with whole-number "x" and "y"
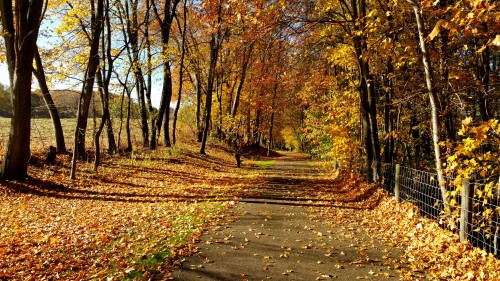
{"x": 169, "y": 11}
{"x": 20, "y": 45}
{"x": 107, "y": 72}
{"x": 218, "y": 93}
{"x": 149, "y": 83}
{"x": 88, "y": 84}
{"x": 181, "y": 71}
{"x": 97, "y": 135}
{"x": 367, "y": 98}
{"x": 271, "y": 125}
{"x": 127, "y": 123}
{"x": 51, "y": 107}
{"x": 133, "y": 35}
{"x": 388, "y": 115}
{"x": 484, "y": 75}
{"x": 199, "y": 127}
{"x": 164, "y": 109}
{"x": 127, "y": 91}
{"x": 244, "y": 67}
{"x": 214, "y": 54}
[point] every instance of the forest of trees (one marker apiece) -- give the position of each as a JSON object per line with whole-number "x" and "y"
{"x": 358, "y": 82}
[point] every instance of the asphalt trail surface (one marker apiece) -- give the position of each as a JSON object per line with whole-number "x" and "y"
{"x": 270, "y": 236}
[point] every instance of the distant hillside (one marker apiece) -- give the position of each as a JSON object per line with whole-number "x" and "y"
{"x": 66, "y": 102}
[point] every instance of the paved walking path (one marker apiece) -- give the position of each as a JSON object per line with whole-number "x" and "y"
{"x": 274, "y": 238}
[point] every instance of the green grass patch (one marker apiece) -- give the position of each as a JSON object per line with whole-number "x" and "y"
{"x": 150, "y": 250}
{"x": 265, "y": 164}
{"x": 149, "y": 264}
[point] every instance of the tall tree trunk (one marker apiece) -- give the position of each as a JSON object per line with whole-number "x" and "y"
{"x": 20, "y": 45}
{"x": 169, "y": 10}
{"x": 199, "y": 127}
{"x": 273, "y": 105}
{"x": 433, "y": 100}
{"x": 367, "y": 100}
{"x": 127, "y": 91}
{"x": 244, "y": 67}
{"x": 372, "y": 98}
{"x": 484, "y": 75}
{"x": 127, "y": 123}
{"x": 49, "y": 102}
{"x": 218, "y": 92}
{"x": 107, "y": 72}
{"x": 181, "y": 70}
{"x": 88, "y": 85}
{"x": 97, "y": 135}
{"x": 164, "y": 110}
{"x": 214, "y": 54}
{"x": 248, "y": 118}
{"x": 444, "y": 75}
{"x": 388, "y": 115}
{"x": 153, "y": 113}
{"x": 133, "y": 35}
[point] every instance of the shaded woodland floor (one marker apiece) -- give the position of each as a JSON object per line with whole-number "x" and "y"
{"x": 142, "y": 214}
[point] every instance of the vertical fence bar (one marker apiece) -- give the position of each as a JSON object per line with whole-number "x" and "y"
{"x": 495, "y": 219}
{"x": 466, "y": 210}
{"x": 396, "y": 183}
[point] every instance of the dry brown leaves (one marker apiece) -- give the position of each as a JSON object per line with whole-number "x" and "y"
{"x": 430, "y": 252}
{"x": 129, "y": 221}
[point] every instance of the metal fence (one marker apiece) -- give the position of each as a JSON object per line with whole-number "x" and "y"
{"x": 476, "y": 219}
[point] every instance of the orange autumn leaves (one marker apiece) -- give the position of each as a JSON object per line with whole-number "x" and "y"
{"x": 130, "y": 220}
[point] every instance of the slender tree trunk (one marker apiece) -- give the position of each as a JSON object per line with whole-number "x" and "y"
{"x": 169, "y": 12}
{"x": 214, "y": 54}
{"x": 249, "y": 118}
{"x": 54, "y": 113}
{"x": 271, "y": 125}
{"x": 484, "y": 75}
{"x": 122, "y": 99}
{"x": 127, "y": 91}
{"x": 199, "y": 128}
{"x": 388, "y": 118}
{"x": 433, "y": 100}
{"x": 153, "y": 113}
{"x": 127, "y": 123}
{"x": 218, "y": 93}
{"x": 97, "y": 135}
{"x": 164, "y": 110}
{"x": 88, "y": 85}
{"x": 244, "y": 67}
{"x": 133, "y": 35}
{"x": 107, "y": 72}
{"x": 181, "y": 71}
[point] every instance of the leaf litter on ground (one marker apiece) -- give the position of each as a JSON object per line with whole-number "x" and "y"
{"x": 430, "y": 252}
{"x": 143, "y": 212}
{"x": 132, "y": 220}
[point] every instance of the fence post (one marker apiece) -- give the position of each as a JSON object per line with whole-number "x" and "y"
{"x": 466, "y": 209}
{"x": 396, "y": 183}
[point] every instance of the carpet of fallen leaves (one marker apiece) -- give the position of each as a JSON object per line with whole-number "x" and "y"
{"x": 142, "y": 212}
{"x": 429, "y": 251}
{"x": 129, "y": 221}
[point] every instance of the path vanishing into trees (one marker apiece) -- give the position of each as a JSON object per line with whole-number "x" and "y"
{"x": 272, "y": 234}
